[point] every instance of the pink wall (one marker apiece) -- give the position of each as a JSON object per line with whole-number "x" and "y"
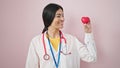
{"x": 20, "y": 21}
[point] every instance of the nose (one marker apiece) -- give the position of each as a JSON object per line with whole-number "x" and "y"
{"x": 62, "y": 19}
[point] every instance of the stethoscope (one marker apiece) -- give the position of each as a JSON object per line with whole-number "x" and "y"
{"x": 46, "y": 56}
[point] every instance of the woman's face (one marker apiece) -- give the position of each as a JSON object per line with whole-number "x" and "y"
{"x": 58, "y": 20}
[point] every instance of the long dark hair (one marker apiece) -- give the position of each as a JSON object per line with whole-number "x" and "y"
{"x": 49, "y": 14}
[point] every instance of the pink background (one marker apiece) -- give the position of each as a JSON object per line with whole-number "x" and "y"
{"x": 20, "y": 21}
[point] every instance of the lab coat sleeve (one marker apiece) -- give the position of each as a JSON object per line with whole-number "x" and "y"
{"x": 32, "y": 58}
{"x": 87, "y": 51}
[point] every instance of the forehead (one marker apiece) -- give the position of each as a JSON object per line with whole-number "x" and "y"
{"x": 59, "y": 11}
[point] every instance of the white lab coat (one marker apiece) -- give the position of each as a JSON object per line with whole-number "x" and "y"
{"x": 86, "y": 52}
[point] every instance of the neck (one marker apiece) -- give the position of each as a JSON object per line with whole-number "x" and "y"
{"x": 53, "y": 33}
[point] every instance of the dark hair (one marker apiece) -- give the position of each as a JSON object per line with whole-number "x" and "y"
{"x": 49, "y": 14}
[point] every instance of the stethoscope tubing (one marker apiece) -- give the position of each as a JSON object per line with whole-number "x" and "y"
{"x": 46, "y": 55}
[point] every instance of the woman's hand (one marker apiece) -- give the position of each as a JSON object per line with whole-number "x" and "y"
{"x": 87, "y": 28}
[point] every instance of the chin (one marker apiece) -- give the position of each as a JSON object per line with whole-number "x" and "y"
{"x": 61, "y": 27}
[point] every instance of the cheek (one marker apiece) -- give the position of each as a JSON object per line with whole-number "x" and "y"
{"x": 57, "y": 22}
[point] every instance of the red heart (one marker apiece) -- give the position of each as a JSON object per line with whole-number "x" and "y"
{"x": 85, "y": 20}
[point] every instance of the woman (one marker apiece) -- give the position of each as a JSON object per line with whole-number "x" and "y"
{"x": 54, "y": 49}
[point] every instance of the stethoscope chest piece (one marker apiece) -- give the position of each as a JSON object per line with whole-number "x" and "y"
{"x": 46, "y": 57}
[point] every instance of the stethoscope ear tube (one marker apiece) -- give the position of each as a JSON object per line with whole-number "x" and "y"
{"x": 65, "y": 53}
{"x": 62, "y": 37}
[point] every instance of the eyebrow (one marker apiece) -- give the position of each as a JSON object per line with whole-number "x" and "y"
{"x": 59, "y": 14}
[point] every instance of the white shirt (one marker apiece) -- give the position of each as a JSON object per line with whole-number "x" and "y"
{"x": 85, "y": 52}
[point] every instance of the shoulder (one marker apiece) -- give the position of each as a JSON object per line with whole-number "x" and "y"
{"x": 69, "y": 36}
{"x": 36, "y": 38}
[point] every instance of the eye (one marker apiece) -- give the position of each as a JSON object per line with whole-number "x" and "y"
{"x": 59, "y": 15}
